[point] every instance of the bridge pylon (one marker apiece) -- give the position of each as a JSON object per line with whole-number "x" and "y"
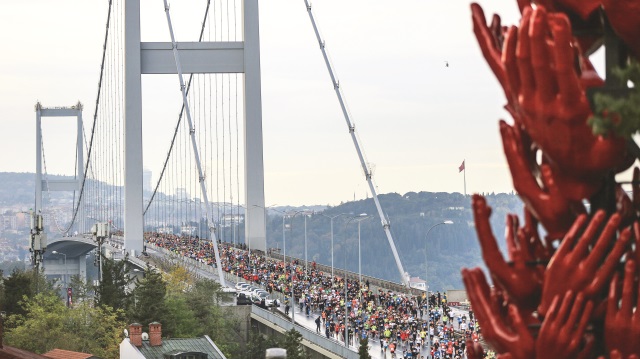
{"x": 204, "y": 58}
{"x": 48, "y": 184}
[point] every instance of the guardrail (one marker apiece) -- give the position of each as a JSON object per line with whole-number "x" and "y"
{"x": 330, "y": 345}
{"x": 375, "y": 282}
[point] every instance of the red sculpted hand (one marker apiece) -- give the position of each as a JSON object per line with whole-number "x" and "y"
{"x": 575, "y": 268}
{"x": 490, "y": 39}
{"x": 521, "y": 280}
{"x": 635, "y": 186}
{"x": 552, "y": 105}
{"x": 624, "y": 16}
{"x": 547, "y": 203}
{"x": 617, "y": 355}
{"x": 542, "y": 251}
{"x": 507, "y": 334}
{"x": 474, "y": 350}
{"x": 562, "y": 331}
{"x": 622, "y": 324}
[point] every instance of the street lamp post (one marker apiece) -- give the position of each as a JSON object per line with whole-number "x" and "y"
{"x": 284, "y": 255}
{"x": 346, "y": 298}
{"x": 361, "y": 217}
{"x": 305, "y": 246}
{"x": 293, "y": 298}
{"x": 426, "y": 274}
{"x": 332, "y": 218}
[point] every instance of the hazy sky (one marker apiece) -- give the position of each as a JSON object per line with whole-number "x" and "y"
{"x": 417, "y": 118}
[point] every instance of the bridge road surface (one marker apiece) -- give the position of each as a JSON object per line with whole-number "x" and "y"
{"x": 302, "y": 319}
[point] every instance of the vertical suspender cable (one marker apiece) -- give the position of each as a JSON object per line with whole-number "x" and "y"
{"x": 203, "y": 184}
{"x": 352, "y": 131}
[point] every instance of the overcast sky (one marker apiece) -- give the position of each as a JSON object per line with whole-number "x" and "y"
{"x": 418, "y": 119}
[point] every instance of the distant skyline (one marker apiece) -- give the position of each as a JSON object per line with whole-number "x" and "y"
{"x": 417, "y": 118}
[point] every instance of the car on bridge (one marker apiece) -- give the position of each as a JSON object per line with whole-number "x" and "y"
{"x": 243, "y": 299}
{"x": 268, "y": 302}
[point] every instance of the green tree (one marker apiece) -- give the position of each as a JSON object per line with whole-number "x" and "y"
{"x": 203, "y": 299}
{"x": 113, "y": 289}
{"x": 47, "y": 324}
{"x": 82, "y": 290}
{"x": 619, "y": 114}
{"x": 17, "y": 285}
{"x": 292, "y": 342}
{"x": 180, "y": 320}
{"x": 150, "y": 299}
{"x": 258, "y": 345}
{"x": 22, "y": 284}
{"x": 363, "y": 350}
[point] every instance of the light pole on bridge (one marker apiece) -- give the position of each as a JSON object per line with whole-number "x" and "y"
{"x": 426, "y": 274}
{"x": 332, "y": 218}
{"x": 359, "y": 218}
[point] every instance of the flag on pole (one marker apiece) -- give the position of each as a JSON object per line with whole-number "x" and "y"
{"x": 461, "y": 168}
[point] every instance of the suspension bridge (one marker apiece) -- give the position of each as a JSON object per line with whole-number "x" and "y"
{"x": 211, "y": 183}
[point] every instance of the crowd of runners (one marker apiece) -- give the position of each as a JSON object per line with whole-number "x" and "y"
{"x": 399, "y": 323}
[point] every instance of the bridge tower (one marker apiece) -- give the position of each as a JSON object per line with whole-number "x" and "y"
{"x": 47, "y": 185}
{"x": 196, "y": 57}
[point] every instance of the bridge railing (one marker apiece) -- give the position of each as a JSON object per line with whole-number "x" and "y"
{"x": 373, "y": 282}
{"x": 309, "y": 335}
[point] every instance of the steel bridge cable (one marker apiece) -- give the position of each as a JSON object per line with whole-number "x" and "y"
{"x": 206, "y": 14}
{"x": 46, "y": 178}
{"x": 364, "y": 163}
{"x": 95, "y": 115}
{"x": 202, "y": 181}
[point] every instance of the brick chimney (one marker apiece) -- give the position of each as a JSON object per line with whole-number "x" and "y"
{"x": 135, "y": 334}
{"x": 155, "y": 334}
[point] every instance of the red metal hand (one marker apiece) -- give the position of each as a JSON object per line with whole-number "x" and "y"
{"x": 622, "y": 323}
{"x": 548, "y": 204}
{"x": 507, "y": 334}
{"x": 552, "y": 105}
{"x": 562, "y": 331}
{"x": 521, "y": 281}
{"x": 577, "y": 269}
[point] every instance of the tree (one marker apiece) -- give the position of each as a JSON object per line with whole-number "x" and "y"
{"x": 292, "y": 342}
{"x": 47, "y": 324}
{"x": 258, "y": 345}
{"x": 619, "y": 114}
{"x": 180, "y": 320}
{"x": 82, "y": 290}
{"x": 179, "y": 279}
{"x": 113, "y": 289}
{"x": 363, "y": 350}
{"x": 150, "y": 299}
{"x": 21, "y": 284}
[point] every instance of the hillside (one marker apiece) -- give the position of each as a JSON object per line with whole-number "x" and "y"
{"x": 449, "y": 247}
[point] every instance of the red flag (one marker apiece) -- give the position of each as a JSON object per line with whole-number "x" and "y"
{"x": 461, "y": 168}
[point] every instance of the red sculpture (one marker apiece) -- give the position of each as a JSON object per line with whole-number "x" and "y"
{"x": 547, "y": 302}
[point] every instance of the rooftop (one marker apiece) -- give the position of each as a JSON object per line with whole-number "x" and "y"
{"x": 203, "y": 344}
{"x": 14, "y": 353}
{"x": 67, "y": 354}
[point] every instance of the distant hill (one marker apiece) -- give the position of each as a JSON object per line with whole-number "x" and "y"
{"x": 449, "y": 247}
{"x": 18, "y": 188}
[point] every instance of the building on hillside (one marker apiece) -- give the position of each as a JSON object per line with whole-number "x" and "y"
{"x": 67, "y": 354}
{"x": 139, "y": 345}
